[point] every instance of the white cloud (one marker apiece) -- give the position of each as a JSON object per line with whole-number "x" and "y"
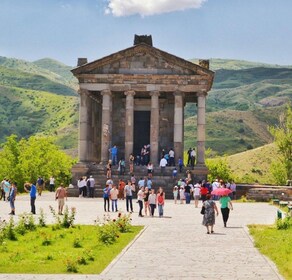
{"x": 149, "y": 7}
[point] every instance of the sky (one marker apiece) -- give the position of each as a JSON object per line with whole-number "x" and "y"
{"x": 253, "y": 30}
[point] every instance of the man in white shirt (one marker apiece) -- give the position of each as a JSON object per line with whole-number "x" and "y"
{"x": 162, "y": 164}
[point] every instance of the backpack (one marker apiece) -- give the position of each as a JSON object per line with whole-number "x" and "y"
{"x": 88, "y": 183}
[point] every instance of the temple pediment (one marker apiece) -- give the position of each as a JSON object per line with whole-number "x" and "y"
{"x": 142, "y": 59}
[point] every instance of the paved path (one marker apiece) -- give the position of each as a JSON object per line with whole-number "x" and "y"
{"x": 174, "y": 247}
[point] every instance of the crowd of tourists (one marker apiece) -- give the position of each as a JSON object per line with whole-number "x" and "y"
{"x": 142, "y": 191}
{"x": 9, "y": 192}
{"x": 146, "y": 196}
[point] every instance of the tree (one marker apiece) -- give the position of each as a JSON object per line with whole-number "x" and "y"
{"x": 25, "y": 160}
{"x": 283, "y": 138}
{"x": 218, "y": 168}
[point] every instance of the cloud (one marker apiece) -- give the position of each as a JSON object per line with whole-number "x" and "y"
{"x": 121, "y": 8}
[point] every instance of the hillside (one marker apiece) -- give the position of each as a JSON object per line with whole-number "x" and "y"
{"x": 254, "y": 166}
{"x": 245, "y": 99}
{"x": 54, "y": 77}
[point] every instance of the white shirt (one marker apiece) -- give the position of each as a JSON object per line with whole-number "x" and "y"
{"x": 163, "y": 162}
{"x": 171, "y": 153}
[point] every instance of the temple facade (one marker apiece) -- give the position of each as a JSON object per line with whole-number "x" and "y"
{"x": 136, "y": 97}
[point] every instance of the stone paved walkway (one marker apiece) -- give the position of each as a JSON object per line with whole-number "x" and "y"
{"x": 174, "y": 247}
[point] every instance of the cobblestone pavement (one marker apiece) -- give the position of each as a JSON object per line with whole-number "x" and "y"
{"x": 173, "y": 247}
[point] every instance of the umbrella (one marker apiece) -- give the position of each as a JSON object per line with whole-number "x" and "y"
{"x": 221, "y": 191}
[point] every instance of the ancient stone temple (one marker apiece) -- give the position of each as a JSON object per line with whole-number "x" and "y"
{"x": 135, "y": 97}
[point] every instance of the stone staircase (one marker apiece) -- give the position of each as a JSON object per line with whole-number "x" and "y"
{"x": 158, "y": 180}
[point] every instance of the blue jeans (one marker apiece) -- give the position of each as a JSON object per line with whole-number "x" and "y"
{"x": 114, "y": 205}
{"x": 188, "y": 198}
{"x": 160, "y": 210}
{"x": 129, "y": 202}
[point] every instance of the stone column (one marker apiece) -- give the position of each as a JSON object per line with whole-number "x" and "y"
{"x": 129, "y": 123}
{"x": 85, "y": 113}
{"x": 106, "y": 124}
{"x": 154, "y": 126}
{"x": 201, "y": 121}
{"x": 178, "y": 131}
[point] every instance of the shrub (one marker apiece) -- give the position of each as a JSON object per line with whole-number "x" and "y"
{"x": 68, "y": 218}
{"x": 284, "y": 224}
{"x": 124, "y": 222}
{"x": 71, "y": 266}
{"x": 77, "y": 243}
{"x": 10, "y": 230}
{"x": 108, "y": 233}
{"x": 42, "y": 220}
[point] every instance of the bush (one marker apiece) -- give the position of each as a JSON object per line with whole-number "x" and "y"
{"x": 108, "y": 233}
{"x": 124, "y": 222}
{"x": 71, "y": 266}
{"x": 284, "y": 224}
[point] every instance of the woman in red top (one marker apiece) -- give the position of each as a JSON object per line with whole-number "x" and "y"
{"x": 160, "y": 201}
{"x": 204, "y": 192}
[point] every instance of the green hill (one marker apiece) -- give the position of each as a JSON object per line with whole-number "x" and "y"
{"x": 254, "y": 166}
{"x": 245, "y": 99}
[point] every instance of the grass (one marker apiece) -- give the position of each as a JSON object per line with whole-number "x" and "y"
{"x": 53, "y": 251}
{"x": 275, "y": 244}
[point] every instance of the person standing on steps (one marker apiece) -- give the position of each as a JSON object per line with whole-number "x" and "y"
{"x": 114, "y": 154}
{"x": 31, "y": 188}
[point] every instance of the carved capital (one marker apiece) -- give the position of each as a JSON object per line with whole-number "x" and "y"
{"x": 202, "y": 93}
{"x": 154, "y": 93}
{"x": 130, "y": 92}
{"x": 106, "y": 92}
{"x": 178, "y": 93}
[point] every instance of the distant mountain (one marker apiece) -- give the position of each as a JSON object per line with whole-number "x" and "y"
{"x": 21, "y": 73}
{"x": 40, "y": 97}
{"x": 234, "y": 64}
{"x": 35, "y": 100}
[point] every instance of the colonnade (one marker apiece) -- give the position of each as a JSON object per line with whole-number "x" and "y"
{"x": 85, "y": 143}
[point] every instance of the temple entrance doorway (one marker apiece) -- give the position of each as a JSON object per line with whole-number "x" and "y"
{"x": 141, "y": 130}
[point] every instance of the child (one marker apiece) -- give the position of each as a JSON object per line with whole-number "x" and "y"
{"x": 174, "y": 173}
{"x": 181, "y": 195}
{"x": 175, "y": 194}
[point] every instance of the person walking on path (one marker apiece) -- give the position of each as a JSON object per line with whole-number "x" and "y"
{"x": 40, "y": 185}
{"x": 140, "y": 196}
{"x": 52, "y": 184}
{"x": 114, "y": 192}
{"x": 209, "y": 215}
{"x": 196, "y": 193}
{"x": 225, "y": 202}
{"x": 31, "y": 188}
{"x": 106, "y": 197}
{"x": 12, "y": 195}
{"x": 61, "y": 194}
{"x": 175, "y": 194}
{"x": 160, "y": 201}
{"x": 128, "y": 193}
{"x": 121, "y": 189}
{"x": 152, "y": 202}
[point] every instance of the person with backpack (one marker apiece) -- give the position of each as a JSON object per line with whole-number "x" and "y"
{"x": 160, "y": 201}
{"x": 106, "y": 197}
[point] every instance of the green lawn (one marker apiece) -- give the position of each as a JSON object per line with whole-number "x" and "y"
{"x": 275, "y": 244}
{"x": 51, "y": 250}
